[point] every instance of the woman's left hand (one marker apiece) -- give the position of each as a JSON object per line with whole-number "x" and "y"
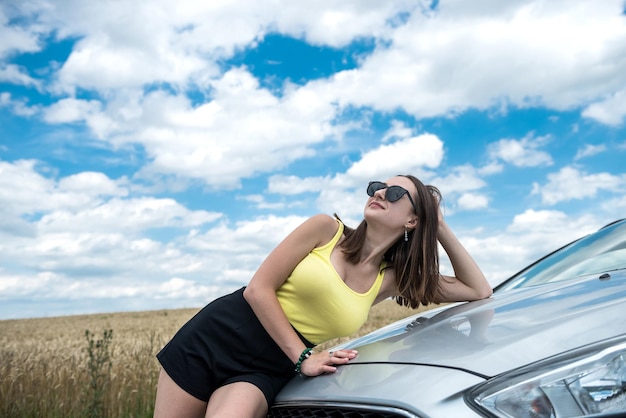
{"x": 326, "y": 362}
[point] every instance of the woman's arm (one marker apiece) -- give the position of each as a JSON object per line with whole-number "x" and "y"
{"x": 261, "y": 291}
{"x": 470, "y": 282}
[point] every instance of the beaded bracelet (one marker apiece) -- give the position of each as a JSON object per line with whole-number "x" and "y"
{"x": 305, "y": 355}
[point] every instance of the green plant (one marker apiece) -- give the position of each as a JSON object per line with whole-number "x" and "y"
{"x": 99, "y": 368}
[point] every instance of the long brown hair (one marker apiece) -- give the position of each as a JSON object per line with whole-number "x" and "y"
{"x": 416, "y": 261}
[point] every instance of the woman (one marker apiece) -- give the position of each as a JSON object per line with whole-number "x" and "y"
{"x": 232, "y": 358}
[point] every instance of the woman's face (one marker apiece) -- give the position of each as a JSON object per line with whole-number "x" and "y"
{"x": 400, "y": 211}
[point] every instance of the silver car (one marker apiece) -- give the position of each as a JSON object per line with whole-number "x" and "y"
{"x": 551, "y": 342}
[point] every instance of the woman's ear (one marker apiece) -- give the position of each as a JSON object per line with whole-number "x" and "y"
{"x": 412, "y": 224}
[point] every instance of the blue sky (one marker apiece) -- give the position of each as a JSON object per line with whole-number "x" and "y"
{"x": 152, "y": 153}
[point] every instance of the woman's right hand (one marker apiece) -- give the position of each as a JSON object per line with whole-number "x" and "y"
{"x": 326, "y": 362}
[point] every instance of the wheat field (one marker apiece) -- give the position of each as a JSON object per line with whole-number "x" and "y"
{"x": 100, "y": 365}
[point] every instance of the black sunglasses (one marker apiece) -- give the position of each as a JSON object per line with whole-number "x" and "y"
{"x": 392, "y": 194}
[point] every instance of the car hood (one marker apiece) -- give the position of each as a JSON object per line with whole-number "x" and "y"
{"x": 508, "y": 330}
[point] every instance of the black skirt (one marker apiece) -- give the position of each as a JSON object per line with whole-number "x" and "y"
{"x": 225, "y": 343}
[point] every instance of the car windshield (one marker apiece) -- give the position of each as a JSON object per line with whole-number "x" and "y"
{"x": 602, "y": 251}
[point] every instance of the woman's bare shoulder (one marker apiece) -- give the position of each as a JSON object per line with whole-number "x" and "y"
{"x": 327, "y": 224}
{"x": 323, "y": 227}
{"x": 324, "y": 219}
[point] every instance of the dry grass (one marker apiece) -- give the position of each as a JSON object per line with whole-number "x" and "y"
{"x": 45, "y": 369}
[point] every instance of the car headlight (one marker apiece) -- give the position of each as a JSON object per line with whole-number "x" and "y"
{"x": 575, "y": 384}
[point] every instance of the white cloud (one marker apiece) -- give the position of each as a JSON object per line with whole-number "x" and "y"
{"x": 179, "y": 43}
{"x": 345, "y": 192}
{"x": 246, "y": 239}
{"x": 530, "y": 235}
{"x": 260, "y": 202}
{"x": 99, "y": 62}
{"x": 14, "y": 74}
{"x": 398, "y": 130}
{"x": 610, "y": 111}
{"x": 104, "y": 243}
{"x": 153, "y": 68}
{"x": 571, "y": 183}
{"x": 460, "y": 180}
{"x": 81, "y": 255}
{"x": 491, "y": 168}
{"x": 416, "y": 68}
{"x": 521, "y": 153}
{"x": 290, "y": 185}
{"x": 71, "y": 110}
{"x": 18, "y": 107}
{"x": 339, "y": 23}
{"x": 177, "y": 288}
{"x": 615, "y": 208}
{"x": 456, "y": 58}
{"x": 589, "y": 150}
{"x": 37, "y": 193}
{"x": 118, "y": 295}
{"x": 15, "y": 38}
{"x": 93, "y": 183}
{"x": 24, "y": 285}
{"x": 472, "y": 201}
{"x": 85, "y": 225}
{"x": 406, "y": 156}
{"x": 129, "y": 215}
{"x": 32, "y": 194}
{"x": 201, "y": 142}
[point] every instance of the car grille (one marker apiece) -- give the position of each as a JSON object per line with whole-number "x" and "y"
{"x": 337, "y": 411}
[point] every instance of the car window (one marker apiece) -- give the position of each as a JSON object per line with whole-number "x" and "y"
{"x": 602, "y": 251}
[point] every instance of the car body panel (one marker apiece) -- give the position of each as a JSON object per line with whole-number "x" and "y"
{"x": 377, "y": 385}
{"x": 462, "y": 345}
{"x": 508, "y": 330}
{"x": 425, "y": 364}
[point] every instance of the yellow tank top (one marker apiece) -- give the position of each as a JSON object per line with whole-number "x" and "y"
{"x": 317, "y": 301}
